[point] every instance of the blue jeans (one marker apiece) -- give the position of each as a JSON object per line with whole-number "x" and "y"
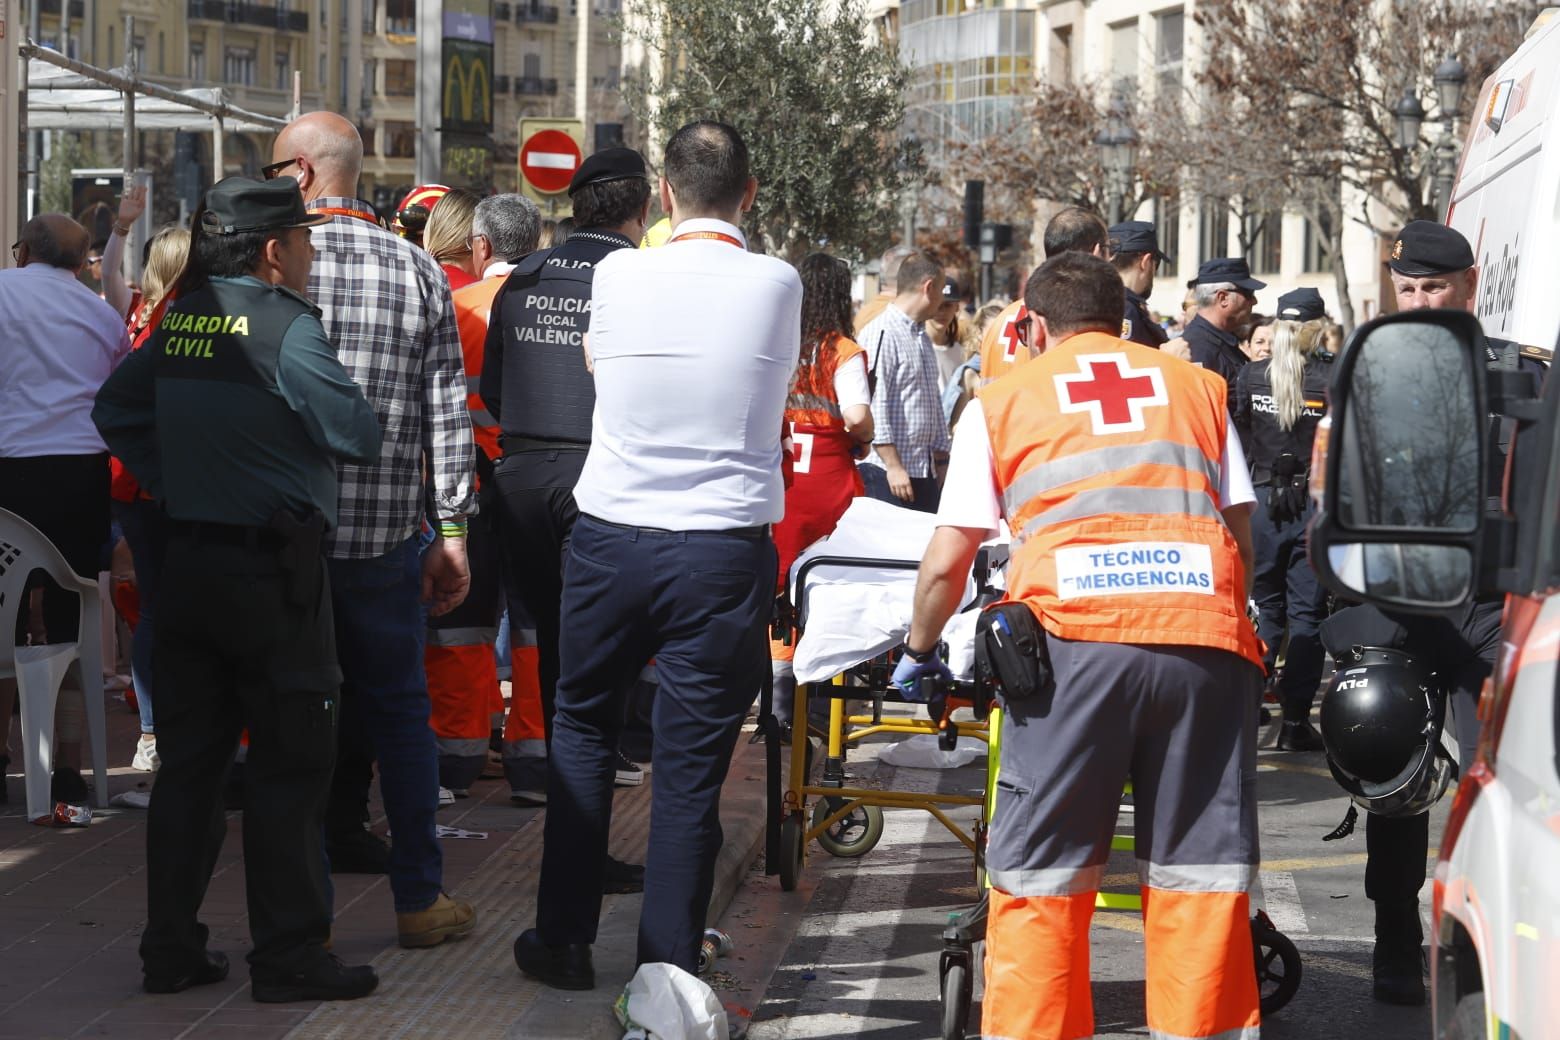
{"x": 925, "y": 491}
{"x": 697, "y": 602}
{"x": 1289, "y": 598}
{"x": 142, "y": 523}
{"x": 384, "y": 695}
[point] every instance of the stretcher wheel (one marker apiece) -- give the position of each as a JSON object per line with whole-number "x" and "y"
{"x": 791, "y": 832}
{"x": 855, "y": 835}
{"x": 958, "y": 992}
{"x": 1278, "y": 964}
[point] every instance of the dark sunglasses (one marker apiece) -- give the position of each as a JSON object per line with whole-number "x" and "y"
{"x": 1023, "y": 322}
{"x": 273, "y": 170}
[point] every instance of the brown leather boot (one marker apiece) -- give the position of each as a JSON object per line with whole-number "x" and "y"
{"x": 445, "y": 919}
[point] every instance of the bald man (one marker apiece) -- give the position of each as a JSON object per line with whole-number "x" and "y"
{"x": 62, "y": 342}
{"x": 386, "y": 306}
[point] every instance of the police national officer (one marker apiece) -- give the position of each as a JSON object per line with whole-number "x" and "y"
{"x": 1278, "y": 403}
{"x": 1224, "y": 292}
{"x": 536, "y": 384}
{"x": 233, "y": 416}
{"x": 1135, "y": 254}
{"x": 1432, "y": 265}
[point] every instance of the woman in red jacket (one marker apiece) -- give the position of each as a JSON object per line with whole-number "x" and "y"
{"x": 830, "y": 421}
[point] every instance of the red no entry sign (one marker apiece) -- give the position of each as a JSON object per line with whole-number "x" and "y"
{"x": 548, "y": 160}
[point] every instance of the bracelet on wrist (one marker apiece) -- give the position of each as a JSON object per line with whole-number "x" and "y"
{"x": 122, "y": 229}
{"x": 920, "y": 656}
{"x": 450, "y": 528}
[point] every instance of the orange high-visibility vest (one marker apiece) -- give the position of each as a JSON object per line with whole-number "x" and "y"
{"x": 1000, "y": 350}
{"x": 473, "y": 304}
{"x": 811, "y": 404}
{"x": 1107, "y": 454}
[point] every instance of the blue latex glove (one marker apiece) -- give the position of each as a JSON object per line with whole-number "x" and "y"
{"x": 920, "y": 681}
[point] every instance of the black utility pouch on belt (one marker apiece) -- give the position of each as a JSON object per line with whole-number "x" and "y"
{"x": 1010, "y": 651}
{"x": 301, "y": 557}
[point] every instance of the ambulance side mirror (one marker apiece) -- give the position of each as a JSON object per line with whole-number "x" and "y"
{"x": 1403, "y": 489}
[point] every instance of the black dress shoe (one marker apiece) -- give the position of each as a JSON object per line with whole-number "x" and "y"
{"x": 357, "y": 852}
{"x": 622, "y": 878}
{"x": 561, "y": 967}
{"x": 1398, "y": 975}
{"x": 327, "y": 979}
{"x": 1299, "y": 736}
{"x": 213, "y": 969}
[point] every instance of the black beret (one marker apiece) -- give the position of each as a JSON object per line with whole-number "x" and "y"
{"x": 1301, "y": 305}
{"x": 238, "y": 204}
{"x": 1425, "y": 248}
{"x": 1232, "y": 269}
{"x": 609, "y": 164}
{"x": 1137, "y": 236}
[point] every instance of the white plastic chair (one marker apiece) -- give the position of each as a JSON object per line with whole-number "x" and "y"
{"x": 39, "y": 670}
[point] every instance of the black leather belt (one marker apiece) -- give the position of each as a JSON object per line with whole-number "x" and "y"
{"x": 751, "y": 534}
{"x": 242, "y": 536}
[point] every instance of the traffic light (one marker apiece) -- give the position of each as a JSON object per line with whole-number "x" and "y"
{"x": 974, "y": 212}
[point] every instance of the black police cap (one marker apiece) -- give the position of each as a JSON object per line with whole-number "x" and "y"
{"x": 238, "y": 204}
{"x": 1301, "y": 305}
{"x": 1232, "y": 269}
{"x": 1426, "y": 248}
{"x": 1137, "y": 236}
{"x": 609, "y": 164}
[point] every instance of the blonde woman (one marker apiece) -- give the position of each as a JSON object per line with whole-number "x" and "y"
{"x": 1278, "y": 403}
{"x": 165, "y": 256}
{"x": 448, "y": 236}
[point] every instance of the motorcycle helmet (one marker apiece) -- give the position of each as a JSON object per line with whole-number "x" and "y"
{"x": 1381, "y": 723}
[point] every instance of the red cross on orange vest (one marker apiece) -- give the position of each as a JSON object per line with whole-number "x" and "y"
{"x": 1113, "y": 393}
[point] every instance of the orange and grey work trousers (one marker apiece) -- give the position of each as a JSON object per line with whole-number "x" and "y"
{"x": 463, "y": 672}
{"x": 1179, "y": 722}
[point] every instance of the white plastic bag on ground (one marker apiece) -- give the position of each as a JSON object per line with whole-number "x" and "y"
{"x": 923, "y": 752}
{"x": 663, "y": 1002}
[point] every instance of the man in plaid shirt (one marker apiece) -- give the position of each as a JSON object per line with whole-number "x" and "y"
{"x": 387, "y": 309}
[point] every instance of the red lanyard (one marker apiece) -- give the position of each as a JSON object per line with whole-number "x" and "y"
{"x": 343, "y": 211}
{"x": 714, "y": 236}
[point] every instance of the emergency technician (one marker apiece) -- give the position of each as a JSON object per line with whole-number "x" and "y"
{"x": 1278, "y": 403}
{"x": 234, "y": 417}
{"x": 1432, "y": 265}
{"x": 535, "y": 384}
{"x": 1128, "y": 497}
{"x": 458, "y": 656}
{"x": 1002, "y": 346}
{"x": 1135, "y": 254}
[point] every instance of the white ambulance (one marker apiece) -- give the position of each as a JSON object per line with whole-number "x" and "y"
{"x": 1410, "y": 395}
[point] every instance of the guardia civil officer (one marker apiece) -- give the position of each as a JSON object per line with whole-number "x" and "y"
{"x": 1433, "y": 266}
{"x": 1224, "y": 293}
{"x": 1278, "y": 403}
{"x": 233, "y": 417}
{"x": 1118, "y": 465}
{"x": 536, "y": 384}
{"x": 1135, "y": 254}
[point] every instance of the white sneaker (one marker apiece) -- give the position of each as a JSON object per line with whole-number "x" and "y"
{"x": 146, "y": 758}
{"x": 446, "y": 797}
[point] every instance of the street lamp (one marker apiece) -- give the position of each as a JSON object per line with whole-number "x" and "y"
{"x": 910, "y": 202}
{"x": 1410, "y": 116}
{"x": 1117, "y": 145}
{"x": 1450, "y": 78}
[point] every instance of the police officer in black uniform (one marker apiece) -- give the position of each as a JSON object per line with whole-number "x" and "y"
{"x": 1225, "y": 293}
{"x": 1278, "y": 403}
{"x": 536, "y": 384}
{"x": 1433, "y": 266}
{"x": 1135, "y": 254}
{"x": 233, "y": 417}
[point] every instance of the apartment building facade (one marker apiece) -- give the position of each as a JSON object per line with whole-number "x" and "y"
{"x": 355, "y": 57}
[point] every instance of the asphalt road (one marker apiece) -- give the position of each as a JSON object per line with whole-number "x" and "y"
{"x": 854, "y": 952}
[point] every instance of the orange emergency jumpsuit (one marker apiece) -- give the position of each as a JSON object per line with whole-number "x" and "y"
{"x": 1108, "y": 457}
{"x": 459, "y": 658}
{"x": 1000, "y": 350}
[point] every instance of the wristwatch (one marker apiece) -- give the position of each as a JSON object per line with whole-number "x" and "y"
{"x": 921, "y": 656}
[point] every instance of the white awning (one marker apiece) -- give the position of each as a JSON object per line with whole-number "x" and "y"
{"x": 60, "y": 99}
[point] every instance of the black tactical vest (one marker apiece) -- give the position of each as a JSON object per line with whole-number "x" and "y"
{"x": 228, "y": 332}
{"x": 547, "y": 392}
{"x": 1269, "y": 440}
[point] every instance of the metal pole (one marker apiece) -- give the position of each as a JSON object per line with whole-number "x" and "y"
{"x": 129, "y": 92}
{"x": 35, "y": 139}
{"x": 582, "y": 61}
{"x": 1445, "y": 171}
{"x": 217, "y": 160}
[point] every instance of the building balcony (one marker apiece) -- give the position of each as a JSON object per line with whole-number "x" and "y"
{"x": 247, "y": 14}
{"x": 500, "y": 84}
{"x": 535, "y": 86}
{"x": 77, "y": 7}
{"x": 536, "y": 14}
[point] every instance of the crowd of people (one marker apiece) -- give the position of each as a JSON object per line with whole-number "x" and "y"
{"x": 363, "y": 472}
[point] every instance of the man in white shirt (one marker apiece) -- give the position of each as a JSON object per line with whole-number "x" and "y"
{"x": 692, "y": 346}
{"x": 62, "y": 342}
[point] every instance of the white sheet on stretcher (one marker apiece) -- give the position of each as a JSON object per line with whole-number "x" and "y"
{"x": 856, "y": 613}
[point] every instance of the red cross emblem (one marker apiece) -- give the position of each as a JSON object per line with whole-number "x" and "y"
{"x": 1115, "y": 395}
{"x": 1011, "y": 344}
